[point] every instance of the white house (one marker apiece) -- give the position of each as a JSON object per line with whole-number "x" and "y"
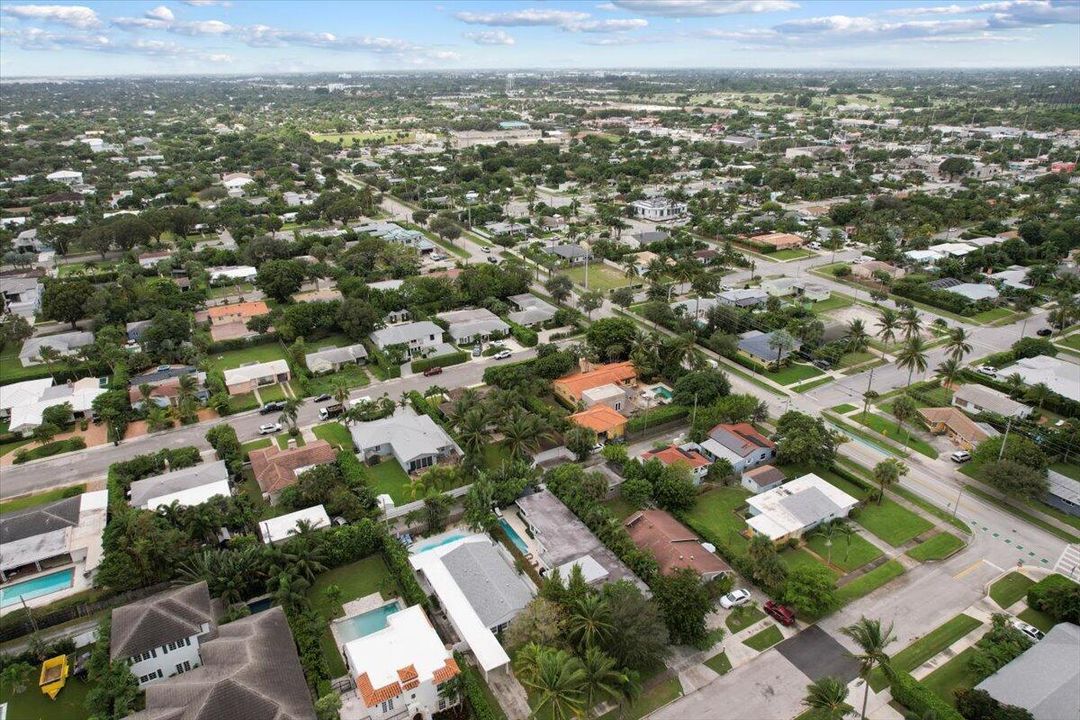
{"x": 283, "y": 527}
{"x": 159, "y": 636}
{"x": 399, "y": 669}
{"x": 236, "y": 181}
{"x": 975, "y": 399}
{"x": 611, "y": 394}
{"x": 796, "y": 507}
{"x": 25, "y": 402}
{"x": 187, "y": 486}
{"x": 658, "y": 209}
{"x": 246, "y": 378}
{"x": 418, "y": 338}
{"x": 68, "y": 177}
{"x": 21, "y": 296}
{"x": 415, "y": 441}
{"x": 473, "y": 324}
{"x": 233, "y": 273}
{"x": 65, "y": 343}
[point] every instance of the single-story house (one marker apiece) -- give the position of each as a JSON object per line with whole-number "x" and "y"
{"x": 867, "y": 269}
{"x": 806, "y": 289}
{"x": 571, "y": 388}
{"x": 673, "y": 544}
{"x": 280, "y": 528}
{"x": 416, "y": 442}
{"x": 418, "y": 338}
{"x": 952, "y": 249}
{"x": 164, "y": 382}
{"x": 687, "y": 454}
{"x": 1060, "y": 376}
{"x": 21, "y": 296}
{"x": 247, "y": 378}
{"x": 232, "y": 273}
{"x": 658, "y": 209}
{"x": 332, "y": 359}
{"x": 65, "y": 343}
{"x": 1044, "y": 679}
{"x": 1063, "y": 493}
{"x": 276, "y": 469}
{"x": 961, "y": 429}
{"x": 762, "y": 478}
{"x": 792, "y": 509}
{"x": 531, "y": 310}
{"x": 923, "y": 257}
{"x": 647, "y": 237}
{"x": 758, "y": 344}
{"x": 188, "y": 486}
{"x": 778, "y": 241}
{"x": 740, "y": 444}
{"x": 473, "y": 325}
{"x": 25, "y": 411}
{"x": 236, "y": 181}
{"x": 694, "y": 308}
{"x": 571, "y": 253}
{"x": 975, "y": 291}
{"x": 607, "y": 423}
{"x": 1014, "y": 277}
{"x": 228, "y": 322}
{"x": 975, "y": 398}
{"x": 743, "y": 297}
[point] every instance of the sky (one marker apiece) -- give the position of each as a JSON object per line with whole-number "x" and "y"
{"x": 123, "y": 37}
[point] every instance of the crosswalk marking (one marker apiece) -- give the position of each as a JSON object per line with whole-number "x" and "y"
{"x": 1069, "y": 562}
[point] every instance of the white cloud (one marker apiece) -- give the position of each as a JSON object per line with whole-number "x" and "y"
{"x": 201, "y": 27}
{"x": 524, "y": 18}
{"x": 608, "y": 26}
{"x": 161, "y": 13}
{"x": 1006, "y": 13}
{"x": 38, "y": 39}
{"x": 490, "y": 37}
{"x": 703, "y": 8}
{"x": 207, "y": 3}
{"x": 607, "y": 7}
{"x": 76, "y": 16}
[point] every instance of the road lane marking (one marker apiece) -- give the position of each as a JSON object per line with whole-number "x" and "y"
{"x": 970, "y": 568}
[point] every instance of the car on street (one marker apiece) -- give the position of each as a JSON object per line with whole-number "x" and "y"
{"x": 493, "y": 260}
{"x": 272, "y": 407}
{"x": 269, "y": 428}
{"x": 960, "y": 456}
{"x": 814, "y": 245}
{"x": 988, "y": 370}
{"x": 477, "y": 351}
{"x": 781, "y": 613}
{"x": 1044, "y": 332}
{"x": 1032, "y": 632}
{"x": 322, "y": 398}
{"x": 485, "y": 249}
{"x": 502, "y": 355}
{"x": 735, "y": 598}
{"x": 433, "y": 371}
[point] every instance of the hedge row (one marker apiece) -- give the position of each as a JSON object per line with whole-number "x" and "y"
{"x": 526, "y": 336}
{"x": 454, "y": 358}
{"x": 389, "y": 370}
{"x": 122, "y": 474}
{"x": 657, "y": 416}
{"x": 472, "y": 687}
{"x": 920, "y": 700}
{"x": 49, "y": 449}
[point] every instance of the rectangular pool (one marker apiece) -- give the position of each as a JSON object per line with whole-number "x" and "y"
{"x": 36, "y": 587}
{"x": 436, "y": 541}
{"x": 366, "y": 623}
{"x": 514, "y": 537}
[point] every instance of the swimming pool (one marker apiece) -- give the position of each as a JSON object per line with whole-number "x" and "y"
{"x": 36, "y": 587}
{"x": 366, "y": 623}
{"x": 437, "y": 541}
{"x": 261, "y": 604}
{"x": 661, "y": 391}
{"x": 514, "y": 537}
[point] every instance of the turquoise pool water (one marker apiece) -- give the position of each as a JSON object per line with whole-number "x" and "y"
{"x": 663, "y": 392}
{"x": 437, "y": 541}
{"x": 366, "y": 623}
{"x": 514, "y": 537}
{"x": 36, "y": 587}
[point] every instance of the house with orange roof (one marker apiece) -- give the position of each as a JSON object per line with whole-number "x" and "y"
{"x": 607, "y": 423}
{"x": 962, "y": 430}
{"x": 276, "y": 469}
{"x": 572, "y": 388}
{"x": 777, "y": 241}
{"x": 673, "y": 544}
{"x": 399, "y": 669}
{"x": 228, "y": 322}
{"x": 687, "y": 454}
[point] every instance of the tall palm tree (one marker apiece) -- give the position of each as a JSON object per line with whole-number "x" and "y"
{"x": 957, "y": 345}
{"x": 557, "y": 680}
{"x": 600, "y": 681}
{"x": 888, "y": 323}
{"x": 1015, "y": 381}
{"x": 1039, "y": 393}
{"x": 523, "y": 434}
{"x": 473, "y": 431}
{"x": 872, "y": 639}
{"x": 949, "y": 370}
{"x": 857, "y": 338}
{"x": 828, "y": 532}
{"x": 590, "y": 621}
{"x": 912, "y": 356}
{"x": 291, "y": 411}
{"x": 911, "y": 321}
{"x": 827, "y": 699}
{"x": 340, "y": 391}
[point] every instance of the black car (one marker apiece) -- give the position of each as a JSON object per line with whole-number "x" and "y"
{"x": 272, "y": 407}
{"x": 1044, "y": 332}
{"x": 822, "y": 364}
{"x": 322, "y": 398}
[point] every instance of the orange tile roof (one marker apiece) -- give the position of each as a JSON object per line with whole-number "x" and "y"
{"x": 274, "y": 469}
{"x": 244, "y": 309}
{"x": 598, "y": 418}
{"x": 574, "y": 385}
{"x": 373, "y": 695}
{"x": 671, "y": 543}
{"x": 446, "y": 672}
{"x": 673, "y": 454}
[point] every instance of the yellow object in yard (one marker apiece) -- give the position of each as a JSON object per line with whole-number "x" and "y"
{"x": 54, "y": 672}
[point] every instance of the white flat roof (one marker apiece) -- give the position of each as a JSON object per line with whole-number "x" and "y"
{"x": 246, "y": 373}
{"x": 796, "y": 505}
{"x": 483, "y": 643}
{"x": 283, "y": 526}
{"x": 591, "y": 570}
{"x": 408, "y": 639}
{"x": 191, "y": 496}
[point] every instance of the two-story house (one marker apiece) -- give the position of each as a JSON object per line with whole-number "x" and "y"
{"x": 159, "y": 636}
{"x": 740, "y": 444}
{"x": 417, "y": 338}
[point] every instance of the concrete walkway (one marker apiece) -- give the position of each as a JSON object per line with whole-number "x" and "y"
{"x": 511, "y": 695}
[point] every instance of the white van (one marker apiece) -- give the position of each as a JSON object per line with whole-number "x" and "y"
{"x": 960, "y": 456}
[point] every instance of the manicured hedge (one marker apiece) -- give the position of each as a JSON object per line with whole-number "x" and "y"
{"x": 122, "y": 474}
{"x": 920, "y": 700}
{"x": 1039, "y": 594}
{"x": 49, "y": 449}
{"x": 657, "y": 416}
{"x": 524, "y": 335}
{"x": 454, "y": 358}
{"x": 472, "y": 688}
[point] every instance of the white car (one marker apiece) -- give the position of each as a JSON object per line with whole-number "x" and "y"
{"x": 502, "y": 355}
{"x": 598, "y": 447}
{"x": 1033, "y": 633}
{"x": 988, "y": 371}
{"x": 485, "y": 249}
{"x": 735, "y": 598}
{"x": 269, "y": 428}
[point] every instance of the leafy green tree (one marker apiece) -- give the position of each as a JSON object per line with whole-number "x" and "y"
{"x": 559, "y": 287}
{"x": 279, "y": 279}
{"x": 616, "y": 332}
{"x": 904, "y": 409}
{"x": 328, "y": 706}
{"x": 765, "y": 562}
{"x": 543, "y": 621}
{"x": 1016, "y": 479}
{"x": 641, "y": 640}
{"x": 811, "y": 590}
{"x": 804, "y": 439}
{"x": 66, "y": 300}
{"x": 1018, "y": 449}
{"x": 912, "y": 356}
{"x": 15, "y": 676}
{"x": 600, "y": 680}
{"x": 703, "y": 386}
{"x": 637, "y": 491}
{"x": 357, "y": 318}
{"x": 872, "y": 640}
{"x": 436, "y": 512}
{"x": 590, "y": 301}
{"x": 684, "y": 603}
{"x": 556, "y": 678}
{"x": 675, "y": 490}
{"x": 580, "y": 440}
{"x": 478, "y": 502}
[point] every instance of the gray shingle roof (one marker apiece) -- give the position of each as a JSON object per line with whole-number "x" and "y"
{"x": 405, "y": 333}
{"x": 177, "y": 480}
{"x": 39, "y": 520}
{"x": 160, "y": 619}
{"x": 1043, "y": 680}
{"x": 492, "y": 587}
{"x": 250, "y": 672}
{"x": 810, "y": 506}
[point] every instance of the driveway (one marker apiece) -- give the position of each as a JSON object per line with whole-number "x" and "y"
{"x": 817, "y": 655}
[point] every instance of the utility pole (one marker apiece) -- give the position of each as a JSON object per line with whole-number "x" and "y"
{"x": 1004, "y": 440}
{"x": 958, "y": 495}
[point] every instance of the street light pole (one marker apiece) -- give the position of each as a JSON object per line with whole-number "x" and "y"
{"x": 958, "y": 496}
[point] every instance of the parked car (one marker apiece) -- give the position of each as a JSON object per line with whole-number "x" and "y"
{"x": 436, "y": 370}
{"x": 960, "y": 456}
{"x": 598, "y": 447}
{"x": 477, "y": 351}
{"x": 822, "y": 364}
{"x": 485, "y": 249}
{"x": 269, "y": 428}
{"x": 781, "y": 613}
{"x": 1044, "y": 332}
{"x": 988, "y": 370}
{"x": 735, "y": 598}
{"x": 331, "y": 411}
{"x": 272, "y": 407}
{"x": 814, "y": 245}
{"x": 493, "y": 260}
{"x": 502, "y": 355}
{"x": 322, "y": 398}
{"x": 1034, "y": 633}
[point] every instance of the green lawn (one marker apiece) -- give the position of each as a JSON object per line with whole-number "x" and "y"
{"x": 743, "y": 617}
{"x": 931, "y": 508}
{"x": 1072, "y": 341}
{"x": 334, "y": 433}
{"x": 263, "y": 442}
{"x": 21, "y": 503}
{"x": 845, "y": 408}
{"x": 989, "y": 316}
{"x": 601, "y": 277}
{"x": 353, "y": 376}
{"x": 283, "y": 440}
{"x": 904, "y": 437}
{"x": 12, "y": 370}
{"x": 869, "y": 582}
{"x": 388, "y": 477}
{"x": 833, "y": 302}
{"x": 926, "y": 647}
{"x": 32, "y": 704}
{"x": 719, "y": 664}
{"x": 790, "y": 254}
{"x": 953, "y": 675}
{"x": 938, "y": 547}
{"x": 1067, "y": 469}
{"x": 1037, "y": 618}
{"x": 242, "y": 403}
{"x": 848, "y": 553}
{"x": 235, "y": 358}
{"x": 793, "y": 558}
{"x": 796, "y": 372}
{"x": 714, "y": 514}
{"x": 495, "y": 456}
{"x": 764, "y": 639}
{"x": 1010, "y": 589}
{"x": 272, "y": 393}
{"x": 620, "y": 508}
{"x": 855, "y": 358}
{"x": 652, "y": 698}
{"x": 807, "y": 387}
{"x": 356, "y": 580}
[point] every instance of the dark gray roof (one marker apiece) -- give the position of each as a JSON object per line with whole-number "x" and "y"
{"x": 39, "y": 520}
{"x": 177, "y": 480}
{"x": 944, "y": 283}
{"x": 493, "y": 588}
{"x": 570, "y": 252}
{"x": 250, "y": 672}
{"x": 159, "y": 375}
{"x": 160, "y": 619}
{"x": 756, "y": 343}
{"x": 1045, "y": 678}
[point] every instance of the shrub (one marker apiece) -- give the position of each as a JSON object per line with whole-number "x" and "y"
{"x": 471, "y": 687}
{"x": 455, "y": 358}
{"x": 920, "y": 700}
{"x": 657, "y": 416}
{"x": 49, "y": 449}
{"x": 122, "y": 474}
{"x": 525, "y": 336}
{"x": 1057, "y": 596}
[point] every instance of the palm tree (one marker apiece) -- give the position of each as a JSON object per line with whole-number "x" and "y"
{"x": 827, "y": 699}
{"x": 523, "y": 434}
{"x": 473, "y": 431}
{"x": 782, "y": 342}
{"x": 49, "y": 355}
{"x": 828, "y": 532}
{"x": 868, "y": 397}
{"x": 912, "y": 357}
{"x": 949, "y": 370}
{"x": 590, "y": 621}
{"x": 1015, "y": 381}
{"x": 857, "y": 338}
{"x": 957, "y": 344}
{"x": 1039, "y": 393}
{"x": 887, "y": 325}
{"x": 340, "y": 391}
{"x": 291, "y": 411}
{"x": 872, "y": 639}
{"x": 911, "y": 321}
{"x": 601, "y": 681}
{"x": 289, "y": 590}
{"x": 886, "y": 473}
{"x": 557, "y": 679}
